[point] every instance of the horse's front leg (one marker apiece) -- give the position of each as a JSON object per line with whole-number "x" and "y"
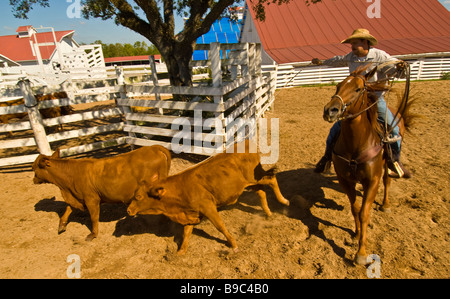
{"x": 350, "y": 190}
{"x": 370, "y": 191}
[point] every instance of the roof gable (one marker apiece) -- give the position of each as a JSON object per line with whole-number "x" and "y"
{"x": 296, "y": 32}
{"x": 19, "y": 49}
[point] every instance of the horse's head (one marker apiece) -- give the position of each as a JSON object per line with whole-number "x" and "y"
{"x": 347, "y": 95}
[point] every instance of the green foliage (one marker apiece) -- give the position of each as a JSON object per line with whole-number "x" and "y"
{"x": 445, "y": 76}
{"x": 120, "y": 50}
{"x": 21, "y": 8}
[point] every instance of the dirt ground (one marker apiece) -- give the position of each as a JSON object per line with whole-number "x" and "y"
{"x": 309, "y": 239}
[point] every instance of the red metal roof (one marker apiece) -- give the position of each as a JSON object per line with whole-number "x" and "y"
{"x": 23, "y": 28}
{"x": 297, "y": 32}
{"x": 19, "y": 49}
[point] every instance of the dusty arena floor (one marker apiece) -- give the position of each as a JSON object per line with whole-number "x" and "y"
{"x": 309, "y": 239}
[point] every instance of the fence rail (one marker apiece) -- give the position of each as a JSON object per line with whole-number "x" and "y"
{"x": 207, "y": 112}
{"x": 422, "y": 68}
{"x": 203, "y": 118}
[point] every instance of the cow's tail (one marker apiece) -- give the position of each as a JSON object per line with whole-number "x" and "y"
{"x": 168, "y": 159}
{"x": 271, "y": 172}
{"x": 261, "y": 173}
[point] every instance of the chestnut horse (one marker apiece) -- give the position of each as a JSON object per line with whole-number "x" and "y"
{"x": 358, "y": 153}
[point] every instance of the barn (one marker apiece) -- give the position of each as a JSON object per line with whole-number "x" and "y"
{"x": 44, "y": 50}
{"x": 294, "y": 33}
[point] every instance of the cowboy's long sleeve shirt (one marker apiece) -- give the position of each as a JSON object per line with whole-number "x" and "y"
{"x": 375, "y": 56}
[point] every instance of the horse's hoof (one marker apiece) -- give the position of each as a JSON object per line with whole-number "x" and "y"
{"x": 361, "y": 260}
{"x": 90, "y": 237}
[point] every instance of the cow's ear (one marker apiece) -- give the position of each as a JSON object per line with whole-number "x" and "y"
{"x": 45, "y": 162}
{"x": 57, "y": 154}
{"x": 157, "y": 192}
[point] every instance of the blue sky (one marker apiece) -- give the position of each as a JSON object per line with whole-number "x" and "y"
{"x": 86, "y": 31}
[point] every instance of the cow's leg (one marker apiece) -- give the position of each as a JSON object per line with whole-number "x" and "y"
{"x": 263, "y": 198}
{"x": 72, "y": 202}
{"x": 210, "y": 211}
{"x": 64, "y": 219}
{"x": 273, "y": 183}
{"x": 94, "y": 211}
{"x": 186, "y": 236}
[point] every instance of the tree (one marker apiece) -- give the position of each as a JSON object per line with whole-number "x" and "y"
{"x": 119, "y": 50}
{"x": 154, "y": 19}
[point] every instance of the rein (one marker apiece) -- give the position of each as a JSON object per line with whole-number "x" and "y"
{"x": 354, "y": 100}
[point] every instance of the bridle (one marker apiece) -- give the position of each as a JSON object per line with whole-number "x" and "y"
{"x": 355, "y": 99}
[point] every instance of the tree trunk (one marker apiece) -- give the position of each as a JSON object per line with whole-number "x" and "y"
{"x": 177, "y": 59}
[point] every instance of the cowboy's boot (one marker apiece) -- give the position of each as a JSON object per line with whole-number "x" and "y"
{"x": 325, "y": 162}
{"x": 394, "y": 164}
{"x": 323, "y": 165}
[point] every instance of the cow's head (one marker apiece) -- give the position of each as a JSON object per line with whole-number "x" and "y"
{"x": 41, "y": 166}
{"x": 147, "y": 200}
{"x": 156, "y": 200}
{"x": 146, "y": 197}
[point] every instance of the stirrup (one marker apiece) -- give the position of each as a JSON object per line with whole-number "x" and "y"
{"x": 399, "y": 173}
{"x": 388, "y": 139}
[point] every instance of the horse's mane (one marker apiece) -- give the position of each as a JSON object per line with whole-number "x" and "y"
{"x": 372, "y": 113}
{"x": 372, "y": 97}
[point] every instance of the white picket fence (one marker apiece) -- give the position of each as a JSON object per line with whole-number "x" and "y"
{"x": 138, "y": 116}
{"x": 423, "y": 67}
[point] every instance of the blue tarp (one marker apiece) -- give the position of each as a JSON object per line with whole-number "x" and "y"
{"x": 224, "y": 31}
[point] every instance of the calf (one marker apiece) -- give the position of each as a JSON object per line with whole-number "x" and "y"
{"x": 88, "y": 182}
{"x": 199, "y": 190}
{"x": 46, "y": 112}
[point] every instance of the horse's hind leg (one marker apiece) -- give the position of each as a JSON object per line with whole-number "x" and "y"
{"x": 386, "y": 182}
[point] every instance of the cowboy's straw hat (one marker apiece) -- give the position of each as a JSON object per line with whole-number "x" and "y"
{"x": 361, "y": 33}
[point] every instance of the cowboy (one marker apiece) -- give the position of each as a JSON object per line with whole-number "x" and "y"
{"x": 363, "y": 53}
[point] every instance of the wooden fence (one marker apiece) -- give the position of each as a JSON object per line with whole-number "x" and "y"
{"x": 206, "y": 117}
{"x": 423, "y": 67}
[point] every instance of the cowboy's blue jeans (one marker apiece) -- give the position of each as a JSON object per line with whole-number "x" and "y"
{"x": 382, "y": 117}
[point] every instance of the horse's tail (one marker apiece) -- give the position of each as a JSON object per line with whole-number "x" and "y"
{"x": 408, "y": 116}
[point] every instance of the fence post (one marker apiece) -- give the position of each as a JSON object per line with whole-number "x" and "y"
{"x": 155, "y": 80}
{"x": 216, "y": 64}
{"x": 245, "y": 66}
{"x": 258, "y": 60}
{"x": 123, "y": 95}
{"x": 35, "y": 118}
{"x": 216, "y": 71}
{"x": 420, "y": 68}
{"x": 252, "y": 59}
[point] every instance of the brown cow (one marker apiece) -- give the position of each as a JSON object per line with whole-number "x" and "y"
{"x": 199, "y": 190}
{"x": 46, "y": 112}
{"x": 88, "y": 182}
